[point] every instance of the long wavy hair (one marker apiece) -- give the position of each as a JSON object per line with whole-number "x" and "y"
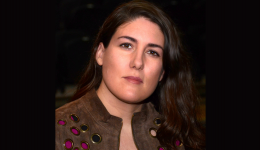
{"x": 175, "y": 96}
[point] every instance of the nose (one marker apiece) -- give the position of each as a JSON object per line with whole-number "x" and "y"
{"x": 137, "y": 60}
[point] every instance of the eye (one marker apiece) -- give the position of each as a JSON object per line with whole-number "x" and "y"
{"x": 153, "y": 53}
{"x": 126, "y": 45}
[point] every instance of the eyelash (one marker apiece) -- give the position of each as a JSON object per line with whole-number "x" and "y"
{"x": 124, "y": 45}
{"x": 149, "y": 52}
{"x": 154, "y": 52}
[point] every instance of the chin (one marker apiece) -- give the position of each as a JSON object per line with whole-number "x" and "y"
{"x": 132, "y": 101}
{"x": 131, "y": 98}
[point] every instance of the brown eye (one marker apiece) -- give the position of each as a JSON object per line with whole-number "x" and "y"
{"x": 126, "y": 45}
{"x": 153, "y": 53}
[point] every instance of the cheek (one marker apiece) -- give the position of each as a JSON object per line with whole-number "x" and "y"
{"x": 108, "y": 68}
{"x": 153, "y": 73}
{"x": 113, "y": 65}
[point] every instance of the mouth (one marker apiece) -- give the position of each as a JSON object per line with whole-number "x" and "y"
{"x": 134, "y": 80}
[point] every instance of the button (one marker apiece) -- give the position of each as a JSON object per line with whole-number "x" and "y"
{"x": 74, "y": 118}
{"x": 152, "y": 132}
{"x": 96, "y": 138}
{"x": 157, "y": 121}
{"x": 85, "y": 145}
{"x": 61, "y": 122}
{"x": 68, "y": 144}
{"x": 84, "y": 127}
{"x": 74, "y": 130}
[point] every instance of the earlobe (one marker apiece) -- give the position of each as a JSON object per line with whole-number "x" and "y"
{"x": 99, "y": 54}
{"x": 161, "y": 77}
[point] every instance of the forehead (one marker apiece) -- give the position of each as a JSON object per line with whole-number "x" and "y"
{"x": 141, "y": 29}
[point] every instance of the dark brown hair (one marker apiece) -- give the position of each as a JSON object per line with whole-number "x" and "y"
{"x": 175, "y": 95}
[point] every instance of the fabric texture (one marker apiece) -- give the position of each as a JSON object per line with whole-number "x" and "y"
{"x": 100, "y": 129}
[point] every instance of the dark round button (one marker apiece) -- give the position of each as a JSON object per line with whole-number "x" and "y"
{"x": 96, "y": 138}
{"x": 157, "y": 121}
{"x": 74, "y": 117}
{"x": 84, "y": 127}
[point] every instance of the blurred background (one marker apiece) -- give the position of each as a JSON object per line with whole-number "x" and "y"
{"x": 78, "y": 22}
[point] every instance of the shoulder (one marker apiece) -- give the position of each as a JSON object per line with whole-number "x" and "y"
{"x": 67, "y": 108}
{"x": 70, "y": 124}
{"x": 72, "y": 112}
{"x": 68, "y": 113}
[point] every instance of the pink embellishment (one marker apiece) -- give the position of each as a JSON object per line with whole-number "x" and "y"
{"x": 84, "y": 145}
{"x": 71, "y": 118}
{"x": 68, "y": 144}
{"x": 76, "y": 149}
{"x": 75, "y": 131}
{"x": 160, "y": 148}
{"x": 61, "y": 122}
{"x": 178, "y": 143}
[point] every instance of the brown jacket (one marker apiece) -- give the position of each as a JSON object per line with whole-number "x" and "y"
{"x": 86, "y": 123}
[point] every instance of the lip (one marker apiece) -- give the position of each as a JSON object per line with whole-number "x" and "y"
{"x": 134, "y": 80}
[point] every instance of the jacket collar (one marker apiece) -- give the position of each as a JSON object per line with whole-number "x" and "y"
{"x": 98, "y": 111}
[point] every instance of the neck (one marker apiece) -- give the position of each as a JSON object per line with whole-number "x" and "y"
{"x": 117, "y": 107}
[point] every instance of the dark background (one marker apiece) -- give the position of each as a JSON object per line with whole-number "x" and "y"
{"x": 78, "y": 22}
{"x": 27, "y": 73}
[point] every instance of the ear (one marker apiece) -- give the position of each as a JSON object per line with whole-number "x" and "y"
{"x": 100, "y": 54}
{"x": 161, "y": 77}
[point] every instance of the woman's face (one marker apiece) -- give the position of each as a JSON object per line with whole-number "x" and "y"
{"x": 132, "y": 62}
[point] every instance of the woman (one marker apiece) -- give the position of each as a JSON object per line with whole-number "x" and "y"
{"x": 137, "y": 91}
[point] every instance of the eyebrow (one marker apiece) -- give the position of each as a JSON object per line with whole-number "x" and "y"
{"x": 135, "y": 41}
